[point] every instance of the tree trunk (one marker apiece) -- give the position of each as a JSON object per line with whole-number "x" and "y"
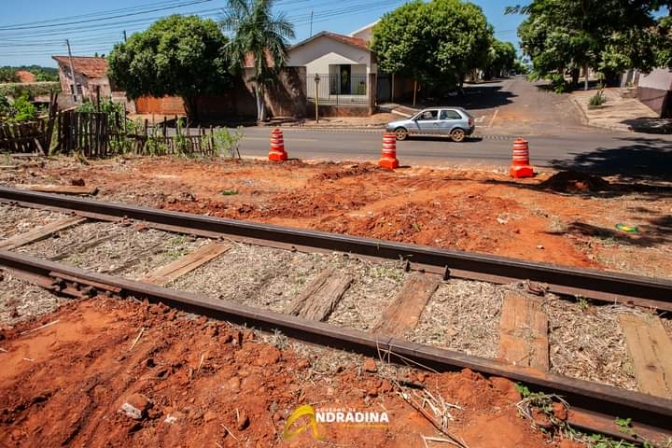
{"x": 585, "y": 72}
{"x": 191, "y": 107}
{"x": 261, "y": 105}
{"x": 575, "y": 77}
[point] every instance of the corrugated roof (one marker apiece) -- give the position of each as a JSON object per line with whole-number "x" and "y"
{"x": 91, "y": 67}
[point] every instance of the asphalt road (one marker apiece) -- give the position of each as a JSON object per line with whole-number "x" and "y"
{"x": 504, "y": 109}
{"x": 600, "y": 149}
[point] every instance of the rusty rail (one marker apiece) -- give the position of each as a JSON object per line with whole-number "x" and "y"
{"x": 590, "y": 284}
{"x": 594, "y": 406}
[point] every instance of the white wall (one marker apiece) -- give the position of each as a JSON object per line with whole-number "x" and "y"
{"x": 660, "y": 79}
{"x": 366, "y": 34}
{"x": 319, "y": 54}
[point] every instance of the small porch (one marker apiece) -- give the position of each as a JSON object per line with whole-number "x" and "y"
{"x": 343, "y": 85}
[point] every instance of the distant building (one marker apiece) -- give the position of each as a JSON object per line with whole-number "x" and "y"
{"x": 25, "y": 77}
{"x": 90, "y": 75}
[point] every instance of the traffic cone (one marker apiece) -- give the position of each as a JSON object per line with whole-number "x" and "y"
{"x": 388, "y": 157}
{"x": 277, "y": 152}
{"x": 520, "y": 166}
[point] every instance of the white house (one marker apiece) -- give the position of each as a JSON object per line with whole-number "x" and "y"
{"x": 338, "y": 68}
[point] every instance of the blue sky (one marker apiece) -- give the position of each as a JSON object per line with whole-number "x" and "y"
{"x": 30, "y": 35}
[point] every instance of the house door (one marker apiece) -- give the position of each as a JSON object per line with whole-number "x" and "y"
{"x": 346, "y": 84}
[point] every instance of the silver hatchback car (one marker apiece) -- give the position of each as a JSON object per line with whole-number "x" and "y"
{"x": 453, "y": 122}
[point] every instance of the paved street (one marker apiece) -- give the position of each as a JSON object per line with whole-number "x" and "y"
{"x": 588, "y": 148}
{"x": 505, "y": 109}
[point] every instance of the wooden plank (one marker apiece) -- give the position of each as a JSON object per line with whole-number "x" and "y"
{"x": 186, "y": 264}
{"x": 40, "y": 233}
{"x": 524, "y": 333}
{"x": 319, "y": 299}
{"x": 651, "y": 353}
{"x": 64, "y": 189}
{"x": 404, "y": 313}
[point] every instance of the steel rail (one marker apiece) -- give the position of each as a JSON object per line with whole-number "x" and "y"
{"x": 594, "y": 407}
{"x": 590, "y": 284}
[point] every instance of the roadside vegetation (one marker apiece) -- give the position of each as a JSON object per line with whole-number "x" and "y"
{"x": 178, "y": 55}
{"x": 568, "y": 37}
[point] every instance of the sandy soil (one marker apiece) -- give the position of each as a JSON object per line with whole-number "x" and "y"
{"x": 209, "y": 384}
{"x": 562, "y": 220}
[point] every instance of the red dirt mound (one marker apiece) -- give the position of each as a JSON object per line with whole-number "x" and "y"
{"x": 115, "y": 373}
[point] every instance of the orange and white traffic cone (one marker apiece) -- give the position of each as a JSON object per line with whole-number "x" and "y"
{"x": 389, "y": 154}
{"x": 520, "y": 166}
{"x": 277, "y": 152}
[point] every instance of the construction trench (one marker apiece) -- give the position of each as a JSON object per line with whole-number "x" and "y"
{"x": 374, "y": 298}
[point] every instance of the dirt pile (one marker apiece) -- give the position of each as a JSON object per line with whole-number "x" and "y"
{"x": 108, "y": 373}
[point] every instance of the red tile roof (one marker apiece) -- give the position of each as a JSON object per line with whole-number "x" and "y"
{"x": 348, "y": 40}
{"x": 91, "y": 67}
{"x": 354, "y": 41}
{"x": 25, "y": 77}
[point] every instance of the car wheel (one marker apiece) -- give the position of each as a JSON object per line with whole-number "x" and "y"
{"x": 457, "y": 135}
{"x": 401, "y": 133}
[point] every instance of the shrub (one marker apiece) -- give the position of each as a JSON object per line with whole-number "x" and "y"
{"x": 226, "y": 142}
{"x": 598, "y": 99}
{"x": 18, "y": 111}
{"x": 32, "y": 90}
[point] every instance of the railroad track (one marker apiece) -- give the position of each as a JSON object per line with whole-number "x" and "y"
{"x": 594, "y": 406}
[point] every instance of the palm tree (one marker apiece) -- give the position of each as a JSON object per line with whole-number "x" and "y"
{"x": 259, "y": 35}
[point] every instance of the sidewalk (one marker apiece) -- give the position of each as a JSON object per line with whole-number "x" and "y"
{"x": 618, "y": 113}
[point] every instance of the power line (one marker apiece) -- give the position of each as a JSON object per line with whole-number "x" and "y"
{"x": 119, "y": 15}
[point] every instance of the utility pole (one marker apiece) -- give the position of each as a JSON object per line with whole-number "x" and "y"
{"x": 72, "y": 72}
{"x": 311, "y": 23}
{"x": 125, "y": 36}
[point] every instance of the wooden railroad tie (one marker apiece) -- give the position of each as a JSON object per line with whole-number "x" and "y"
{"x": 319, "y": 299}
{"x": 186, "y": 264}
{"x": 40, "y": 233}
{"x": 651, "y": 353}
{"x": 405, "y": 311}
{"x": 523, "y": 333}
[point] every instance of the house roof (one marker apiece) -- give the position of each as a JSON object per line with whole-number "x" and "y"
{"x": 348, "y": 40}
{"x": 91, "y": 67}
{"x": 25, "y": 77}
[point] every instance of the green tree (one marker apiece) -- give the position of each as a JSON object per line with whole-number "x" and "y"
{"x": 260, "y": 36}
{"x": 8, "y": 74}
{"x": 501, "y": 58}
{"x": 436, "y": 43}
{"x": 178, "y": 55}
{"x": 608, "y": 36}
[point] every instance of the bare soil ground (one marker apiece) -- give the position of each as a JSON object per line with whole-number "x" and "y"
{"x": 211, "y": 384}
{"x": 568, "y": 220}
{"x": 202, "y": 376}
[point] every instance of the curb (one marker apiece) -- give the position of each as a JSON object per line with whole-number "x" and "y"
{"x": 590, "y": 123}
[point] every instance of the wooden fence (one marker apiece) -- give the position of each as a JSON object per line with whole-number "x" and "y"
{"x": 87, "y": 132}
{"x": 31, "y": 136}
{"x": 25, "y": 137}
{"x": 97, "y": 134}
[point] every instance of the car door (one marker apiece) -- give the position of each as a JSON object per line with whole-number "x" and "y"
{"x": 428, "y": 121}
{"x": 448, "y": 120}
